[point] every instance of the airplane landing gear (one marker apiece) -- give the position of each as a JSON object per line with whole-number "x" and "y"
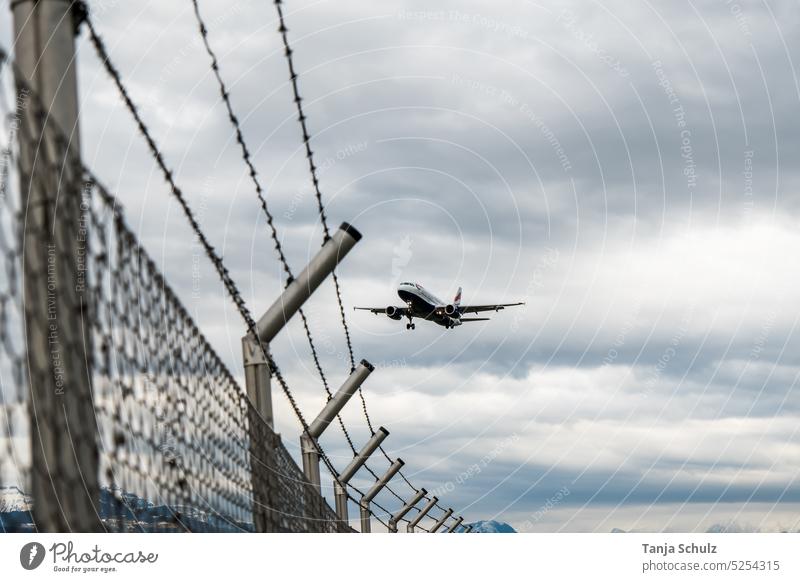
{"x": 410, "y": 324}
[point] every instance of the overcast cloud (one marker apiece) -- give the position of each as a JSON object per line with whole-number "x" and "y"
{"x": 626, "y": 168}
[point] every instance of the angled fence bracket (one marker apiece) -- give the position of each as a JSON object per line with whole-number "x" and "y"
{"x": 340, "y": 486}
{"x": 422, "y": 513}
{"x": 441, "y": 521}
{"x": 302, "y": 286}
{"x": 325, "y": 417}
{"x": 374, "y": 490}
{"x": 405, "y": 509}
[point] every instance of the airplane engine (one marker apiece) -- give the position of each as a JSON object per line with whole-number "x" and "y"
{"x": 450, "y": 309}
{"x": 393, "y": 313}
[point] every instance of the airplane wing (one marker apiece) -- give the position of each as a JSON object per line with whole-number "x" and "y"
{"x": 480, "y": 308}
{"x": 372, "y": 309}
{"x": 391, "y": 311}
{"x": 474, "y": 319}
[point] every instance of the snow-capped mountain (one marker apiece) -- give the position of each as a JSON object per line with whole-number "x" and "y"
{"x": 12, "y": 499}
{"x": 15, "y": 509}
{"x": 491, "y": 526}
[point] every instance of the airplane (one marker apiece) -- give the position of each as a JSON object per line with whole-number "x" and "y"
{"x": 421, "y": 304}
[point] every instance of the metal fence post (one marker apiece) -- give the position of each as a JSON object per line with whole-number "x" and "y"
{"x": 340, "y": 485}
{"x": 423, "y": 512}
{"x": 257, "y": 384}
{"x": 441, "y": 521}
{"x": 257, "y": 378}
{"x": 322, "y": 421}
{"x": 374, "y": 490}
{"x": 64, "y": 477}
{"x": 405, "y": 509}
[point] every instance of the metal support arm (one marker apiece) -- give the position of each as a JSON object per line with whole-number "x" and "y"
{"x": 335, "y": 404}
{"x": 339, "y": 487}
{"x": 423, "y": 512}
{"x": 322, "y": 421}
{"x": 301, "y": 288}
{"x": 405, "y": 509}
{"x": 374, "y": 490}
{"x": 441, "y": 521}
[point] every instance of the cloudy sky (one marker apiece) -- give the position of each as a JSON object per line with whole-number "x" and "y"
{"x": 628, "y": 169}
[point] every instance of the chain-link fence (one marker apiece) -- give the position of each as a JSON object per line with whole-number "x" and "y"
{"x": 116, "y": 413}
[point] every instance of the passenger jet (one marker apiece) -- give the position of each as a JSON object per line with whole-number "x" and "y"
{"x": 421, "y": 304}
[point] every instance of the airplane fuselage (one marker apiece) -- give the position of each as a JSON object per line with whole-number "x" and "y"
{"x": 424, "y": 305}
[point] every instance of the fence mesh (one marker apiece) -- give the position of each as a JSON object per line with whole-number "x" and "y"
{"x": 284, "y": 500}
{"x": 169, "y": 440}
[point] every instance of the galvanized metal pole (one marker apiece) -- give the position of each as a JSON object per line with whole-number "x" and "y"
{"x": 335, "y": 404}
{"x": 257, "y": 378}
{"x": 64, "y": 475}
{"x": 468, "y": 528}
{"x": 339, "y": 487}
{"x": 340, "y": 497}
{"x": 310, "y": 454}
{"x": 454, "y": 527}
{"x": 441, "y": 521}
{"x": 423, "y": 512}
{"x": 257, "y": 383}
{"x": 322, "y": 421}
{"x": 301, "y": 288}
{"x": 374, "y": 490}
{"x": 405, "y": 509}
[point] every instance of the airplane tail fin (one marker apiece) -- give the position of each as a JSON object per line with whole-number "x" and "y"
{"x": 457, "y": 300}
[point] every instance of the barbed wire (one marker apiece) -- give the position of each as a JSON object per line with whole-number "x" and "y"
{"x": 253, "y": 173}
{"x": 312, "y": 167}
